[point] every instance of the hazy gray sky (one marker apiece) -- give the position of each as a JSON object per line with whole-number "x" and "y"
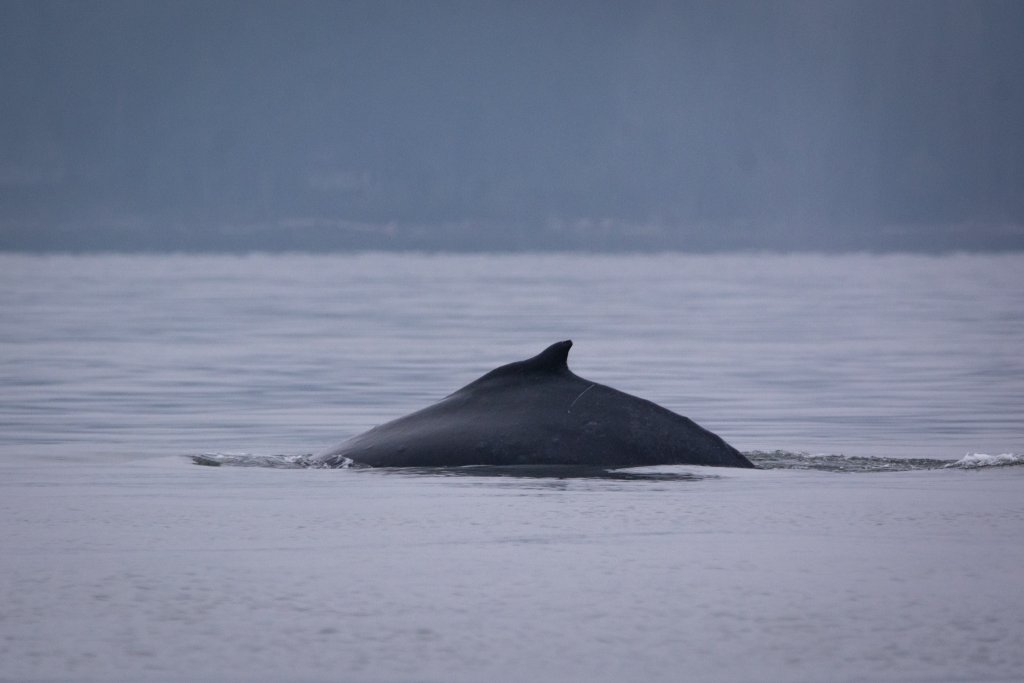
{"x": 477, "y": 125}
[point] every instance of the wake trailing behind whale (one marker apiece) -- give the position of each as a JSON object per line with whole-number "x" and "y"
{"x": 537, "y": 412}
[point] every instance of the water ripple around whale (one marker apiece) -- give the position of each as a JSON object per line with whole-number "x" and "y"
{"x": 768, "y": 460}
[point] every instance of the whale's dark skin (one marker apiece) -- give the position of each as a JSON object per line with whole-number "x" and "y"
{"x": 537, "y": 412}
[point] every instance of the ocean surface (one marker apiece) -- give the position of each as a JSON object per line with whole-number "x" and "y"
{"x": 881, "y": 394}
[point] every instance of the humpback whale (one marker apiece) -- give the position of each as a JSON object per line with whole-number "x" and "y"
{"x": 537, "y": 412}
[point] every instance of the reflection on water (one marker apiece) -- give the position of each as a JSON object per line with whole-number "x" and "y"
{"x": 550, "y": 472}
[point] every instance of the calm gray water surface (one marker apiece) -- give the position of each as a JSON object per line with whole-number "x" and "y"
{"x": 902, "y": 356}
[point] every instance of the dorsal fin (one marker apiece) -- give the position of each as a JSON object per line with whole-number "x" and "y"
{"x": 552, "y": 360}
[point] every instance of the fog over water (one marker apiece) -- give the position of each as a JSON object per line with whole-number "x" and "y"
{"x": 511, "y": 125}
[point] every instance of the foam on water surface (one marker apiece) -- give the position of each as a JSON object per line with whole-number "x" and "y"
{"x": 973, "y": 461}
{"x": 766, "y": 460}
